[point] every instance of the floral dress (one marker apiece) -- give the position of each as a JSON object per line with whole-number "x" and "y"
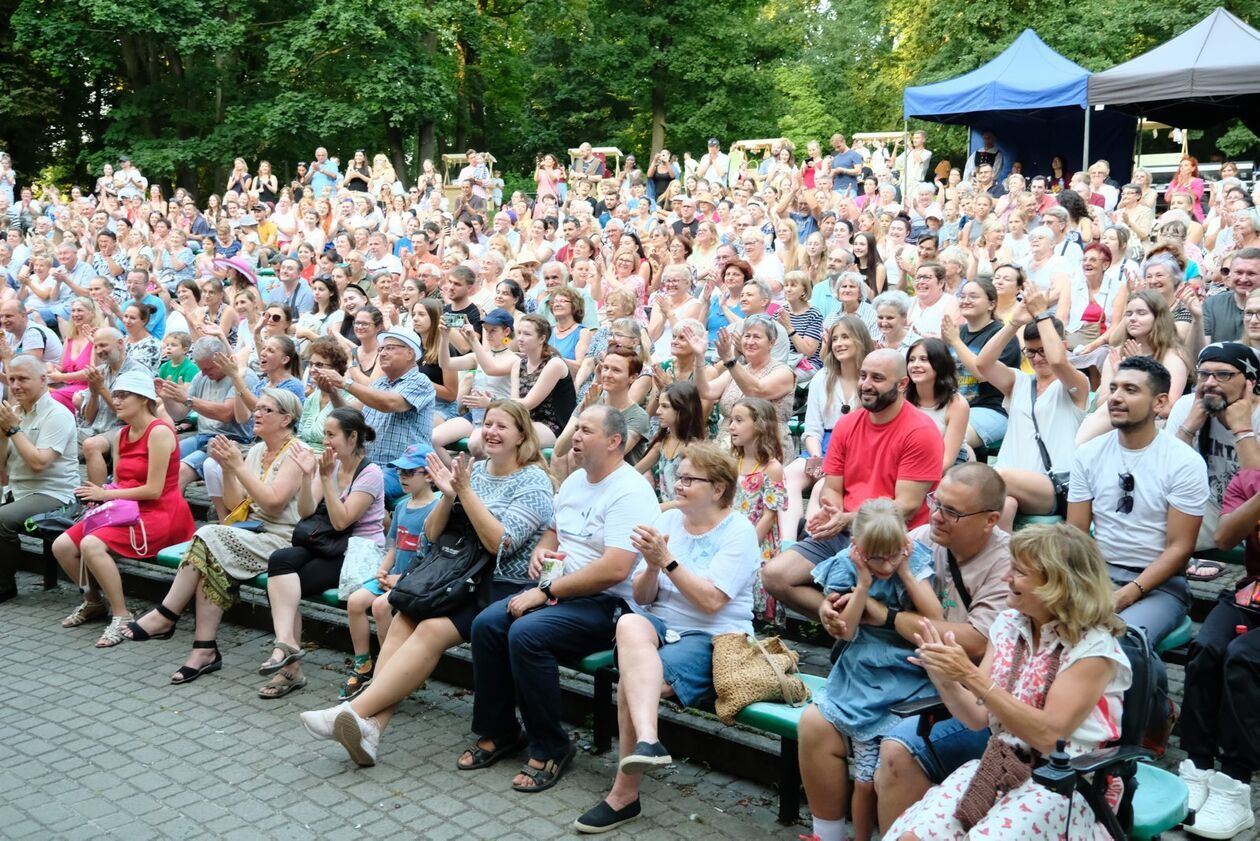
{"x": 755, "y": 494}
{"x": 1028, "y": 811}
{"x": 147, "y": 351}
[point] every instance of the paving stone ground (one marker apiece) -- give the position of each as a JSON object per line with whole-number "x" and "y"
{"x": 96, "y": 744}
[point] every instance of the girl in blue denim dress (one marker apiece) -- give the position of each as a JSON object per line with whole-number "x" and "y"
{"x": 850, "y": 716}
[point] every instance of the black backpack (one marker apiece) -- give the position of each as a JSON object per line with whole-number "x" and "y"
{"x": 1145, "y": 706}
{"x": 447, "y": 575}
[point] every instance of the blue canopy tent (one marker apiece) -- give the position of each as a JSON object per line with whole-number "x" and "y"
{"x": 1034, "y": 101}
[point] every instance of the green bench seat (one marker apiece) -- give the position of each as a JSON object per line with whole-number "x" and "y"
{"x": 779, "y": 719}
{"x": 1236, "y": 555}
{"x": 1160, "y": 802}
{"x": 171, "y": 556}
{"x": 1022, "y": 520}
{"x": 1176, "y": 638}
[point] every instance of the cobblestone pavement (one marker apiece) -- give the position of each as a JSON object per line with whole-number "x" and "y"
{"x": 96, "y": 744}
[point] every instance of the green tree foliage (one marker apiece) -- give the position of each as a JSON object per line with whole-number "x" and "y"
{"x": 186, "y": 85}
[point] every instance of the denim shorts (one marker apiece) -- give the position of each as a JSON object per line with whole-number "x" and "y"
{"x": 687, "y": 663}
{"x": 989, "y": 424}
{"x": 953, "y": 742}
{"x": 192, "y": 451}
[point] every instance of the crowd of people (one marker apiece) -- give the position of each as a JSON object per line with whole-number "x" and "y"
{"x": 671, "y": 402}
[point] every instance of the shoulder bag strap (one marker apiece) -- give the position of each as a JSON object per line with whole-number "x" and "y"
{"x": 956, "y": 574}
{"x": 785, "y": 686}
{"x": 1046, "y": 463}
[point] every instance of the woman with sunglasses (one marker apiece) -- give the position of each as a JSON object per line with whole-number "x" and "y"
{"x": 1048, "y": 405}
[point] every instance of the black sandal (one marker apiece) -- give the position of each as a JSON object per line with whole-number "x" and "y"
{"x": 1204, "y": 570}
{"x": 187, "y": 674}
{"x": 139, "y": 634}
{"x": 548, "y": 775}
{"x": 483, "y": 758}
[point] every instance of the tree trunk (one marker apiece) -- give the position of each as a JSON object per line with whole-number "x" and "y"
{"x": 658, "y": 117}
{"x": 397, "y": 153}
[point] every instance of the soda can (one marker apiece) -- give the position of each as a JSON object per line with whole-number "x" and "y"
{"x": 552, "y": 567}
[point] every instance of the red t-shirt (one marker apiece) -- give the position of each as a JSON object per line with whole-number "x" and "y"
{"x": 873, "y": 458}
{"x": 1245, "y": 485}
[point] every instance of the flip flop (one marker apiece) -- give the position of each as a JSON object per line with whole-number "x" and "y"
{"x": 1214, "y": 570}
{"x": 548, "y": 775}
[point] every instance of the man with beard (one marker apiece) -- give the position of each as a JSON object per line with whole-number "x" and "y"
{"x": 96, "y": 404}
{"x": 1144, "y": 495}
{"x": 888, "y": 449}
{"x": 1220, "y": 420}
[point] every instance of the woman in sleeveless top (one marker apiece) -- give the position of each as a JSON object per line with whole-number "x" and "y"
{"x": 544, "y": 385}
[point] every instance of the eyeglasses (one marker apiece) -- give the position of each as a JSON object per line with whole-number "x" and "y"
{"x": 1221, "y": 377}
{"x": 1224, "y": 270}
{"x": 883, "y": 560}
{"x": 1030, "y": 352}
{"x": 275, "y": 317}
{"x": 404, "y": 473}
{"x": 934, "y": 505}
{"x": 1125, "y": 505}
{"x": 1251, "y": 315}
{"x": 687, "y": 481}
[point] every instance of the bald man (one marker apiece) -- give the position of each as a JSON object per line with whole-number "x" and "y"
{"x": 888, "y": 448}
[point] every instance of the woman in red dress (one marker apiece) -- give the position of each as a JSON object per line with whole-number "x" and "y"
{"x": 146, "y": 470}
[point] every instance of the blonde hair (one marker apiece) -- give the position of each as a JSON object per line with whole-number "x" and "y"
{"x": 879, "y": 528}
{"x": 768, "y": 446}
{"x": 1077, "y": 592}
{"x": 715, "y": 464}
{"x": 801, "y": 278}
{"x": 529, "y": 451}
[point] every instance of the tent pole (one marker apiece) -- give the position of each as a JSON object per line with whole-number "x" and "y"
{"x": 1085, "y": 153}
{"x": 905, "y": 167}
{"x": 1137, "y": 155}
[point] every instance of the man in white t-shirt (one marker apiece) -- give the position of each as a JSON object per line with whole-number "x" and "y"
{"x": 1144, "y": 492}
{"x": 379, "y": 259}
{"x": 1219, "y": 420}
{"x": 517, "y": 643}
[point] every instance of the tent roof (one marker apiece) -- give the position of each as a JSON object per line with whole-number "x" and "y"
{"x": 1207, "y": 74}
{"x": 1027, "y": 76}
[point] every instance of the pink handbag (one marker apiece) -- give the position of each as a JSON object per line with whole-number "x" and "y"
{"x": 115, "y": 512}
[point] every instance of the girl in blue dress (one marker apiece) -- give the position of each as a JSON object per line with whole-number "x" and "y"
{"x": 880, "y": 572}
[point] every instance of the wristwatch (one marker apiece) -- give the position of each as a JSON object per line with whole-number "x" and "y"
{"x": 347, "y": 381}
{"x": 730, "y": 363}
{"x": 672, "y": 565}
{"x": 890, "y": 621}
{"x": 1043, "y": 316}
{"x": 13, "y": 430}
{"x": 551, "y": 597}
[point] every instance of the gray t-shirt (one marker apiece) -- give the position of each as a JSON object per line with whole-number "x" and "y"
{"x": 105, "y": 417}
{"x": 637, "y": 420}
{"x": 49, "y": 426}
{"x": 218, "y": 391}
{"x": 1222, "y": 319}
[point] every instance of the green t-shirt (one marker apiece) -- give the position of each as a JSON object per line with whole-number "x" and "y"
{"x": 183, "y": 374}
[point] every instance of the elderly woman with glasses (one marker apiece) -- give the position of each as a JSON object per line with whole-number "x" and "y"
{"x": 261, "y": 489}
{"x": 699, "y": 561}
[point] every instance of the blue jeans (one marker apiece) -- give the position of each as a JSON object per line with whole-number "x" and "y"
{"x": 516, "y": 666}
{"x": 192, "y": 451}
{"x": 952, "y": 741}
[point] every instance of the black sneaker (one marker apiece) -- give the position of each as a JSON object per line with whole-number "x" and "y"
{"x": 604, "y": 817}
{"x": 645, "y": 757}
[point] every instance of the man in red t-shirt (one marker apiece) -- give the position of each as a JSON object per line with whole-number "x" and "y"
{"x": 888, "y": 449}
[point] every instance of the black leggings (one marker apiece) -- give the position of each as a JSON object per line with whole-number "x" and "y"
{"x": 316, "y": 573}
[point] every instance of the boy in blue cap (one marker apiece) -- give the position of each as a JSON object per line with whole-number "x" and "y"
{"x": 405, "y": 539}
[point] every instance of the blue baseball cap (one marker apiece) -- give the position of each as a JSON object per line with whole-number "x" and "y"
{"x": 415, "y": 456}
{"x": 499, "y": 317}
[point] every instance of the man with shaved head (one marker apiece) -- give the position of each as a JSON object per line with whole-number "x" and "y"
{"x": 888, "y": 448}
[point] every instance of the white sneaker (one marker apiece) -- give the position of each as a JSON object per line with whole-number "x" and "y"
{"x": 358, "y": 735}
{"x": 319, "y": 723}
{"x": 1227, "y": 810}
{"x": 1196, "y": 781}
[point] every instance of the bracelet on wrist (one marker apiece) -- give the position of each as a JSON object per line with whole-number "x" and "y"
{"x": 1243, "y": 436}
{"x": 980, "y": 701}
{"x": 1141, "y": 589}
